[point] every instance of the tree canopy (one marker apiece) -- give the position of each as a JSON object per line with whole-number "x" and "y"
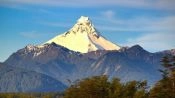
{"x": 101, "y": 87}
{"x": 165, "y": 88}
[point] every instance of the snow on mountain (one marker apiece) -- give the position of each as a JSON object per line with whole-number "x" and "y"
{"x": 57, "y": 61}
{"x": 83, "y": 37}
{"x": 62, "y": 64}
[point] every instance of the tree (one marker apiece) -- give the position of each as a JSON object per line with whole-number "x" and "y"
{"x": 115, "y": 89}
{"x": 165, "y": 88}
{"x": 141, "y": 90}
{"x": 101, "y": 87}
{"x": 95, "y": 87}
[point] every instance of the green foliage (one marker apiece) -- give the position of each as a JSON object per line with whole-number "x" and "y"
{"x": 100, "y": 87}
{"x": 31, "y": 95}
{"x": 95, "y": 87}
{"x": 115, "y": 90}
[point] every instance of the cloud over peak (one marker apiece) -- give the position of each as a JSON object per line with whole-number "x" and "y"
{"x": 146, "y": 4}
{"x": 153, "y": 41}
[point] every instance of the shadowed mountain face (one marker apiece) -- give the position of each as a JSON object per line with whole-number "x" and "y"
{"x": 21, "y": 80}
{"x": 60, "y": 64}
{"x": 131, "y": 64}
{"x": 51, "y": 66}
{"x": 53, "y": 60}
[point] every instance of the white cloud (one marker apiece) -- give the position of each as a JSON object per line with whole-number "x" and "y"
{"x": 57, "y": 24}
{"x": 146, "y": 23}
{"x": 153, "y": 41}
{"x": 148, "y": 4}
{"x": 158, "y": 33}
{"x": 108, "y": 14}
{"x": 31, "y": 34}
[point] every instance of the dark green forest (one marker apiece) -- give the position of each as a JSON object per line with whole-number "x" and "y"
{"x": 101, "y": 87}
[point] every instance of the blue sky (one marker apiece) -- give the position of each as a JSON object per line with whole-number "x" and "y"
{"x": 149, "y": 23}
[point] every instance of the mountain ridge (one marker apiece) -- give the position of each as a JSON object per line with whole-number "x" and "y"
{"x": 83, "y": 37}
{"x": 65, "y": 65}
{"x": 13, "y": 79}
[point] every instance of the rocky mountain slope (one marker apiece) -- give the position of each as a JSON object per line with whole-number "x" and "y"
{"x": 21, "y": 80}
{"x": 79, "y": 53}
{"x": 62, "y": 64}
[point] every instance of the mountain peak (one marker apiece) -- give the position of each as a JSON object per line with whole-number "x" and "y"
{"x": 84, "y": 26}
{"x": 83, "y": 37}
{"x": 83, "y": 19}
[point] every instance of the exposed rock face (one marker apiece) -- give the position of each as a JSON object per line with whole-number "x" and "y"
{"x": 62, "y": 64}
{"x": 79, "y": 53}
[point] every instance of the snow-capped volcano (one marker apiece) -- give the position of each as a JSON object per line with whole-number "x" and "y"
{"x": 83, "y": 37}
